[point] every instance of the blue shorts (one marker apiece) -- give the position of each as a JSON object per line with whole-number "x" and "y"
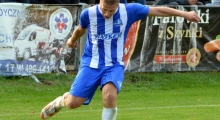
{"x": 89, "y": 79}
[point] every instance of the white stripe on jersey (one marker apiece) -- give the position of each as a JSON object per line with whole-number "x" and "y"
{"x": 120, "y": 50}
{"x": 107, "y": 43}
{"x": 95, "y": 54}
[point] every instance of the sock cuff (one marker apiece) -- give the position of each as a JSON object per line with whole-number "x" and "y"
{"x": 110, "y": 108}
{"x": 109, "y": 113}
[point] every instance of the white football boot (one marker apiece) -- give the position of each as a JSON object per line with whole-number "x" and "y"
{"x": 49, "y": 110}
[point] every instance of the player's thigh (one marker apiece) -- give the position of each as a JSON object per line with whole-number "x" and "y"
{"x": 85, "y": 83}
{"x": 114, "y": 75}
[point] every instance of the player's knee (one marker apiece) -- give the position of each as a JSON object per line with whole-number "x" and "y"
{"x": 109, "y": 96}
{"x": 72, "y": 101}
{"x": 65, "y": 95}
{"x": 72, "y": 105}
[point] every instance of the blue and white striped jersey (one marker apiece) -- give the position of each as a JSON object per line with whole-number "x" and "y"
{"x": 106, "y": 37}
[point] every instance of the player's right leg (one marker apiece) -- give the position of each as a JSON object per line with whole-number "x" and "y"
{"x": 81, "y": 92}
{"x": 60, "y": 102}
{"x": 52, "y": 108}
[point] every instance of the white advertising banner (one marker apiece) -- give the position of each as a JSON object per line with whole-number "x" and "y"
{"x": 32, "y": 37}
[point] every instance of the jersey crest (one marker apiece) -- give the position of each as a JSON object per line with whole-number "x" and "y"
{"x": 118, "y": 22}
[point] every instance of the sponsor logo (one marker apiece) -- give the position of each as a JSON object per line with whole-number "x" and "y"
{"x": 169, "y": 58}
{"x": 61, "y": 23}
{"x": 108, "y": 36}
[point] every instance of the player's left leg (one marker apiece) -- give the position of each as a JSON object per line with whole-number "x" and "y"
{"x": 109, "y": 97}
{"x": 111, "y": 85}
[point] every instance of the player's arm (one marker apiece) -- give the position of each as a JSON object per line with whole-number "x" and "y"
{"x": 77, "y": 33}
{"x": 166, "y": 11}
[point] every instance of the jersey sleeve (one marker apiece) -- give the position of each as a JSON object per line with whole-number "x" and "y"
{"x": 84, "y": 19}
{"x": 137, "y": 11}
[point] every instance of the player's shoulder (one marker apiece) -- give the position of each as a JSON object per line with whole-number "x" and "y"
{"x": 89, "y": 10}
{"x": 133, "y": 5}
{"x": 135, "y": 8}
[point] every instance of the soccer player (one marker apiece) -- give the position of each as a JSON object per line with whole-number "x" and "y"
{"x": 102, "y": 63}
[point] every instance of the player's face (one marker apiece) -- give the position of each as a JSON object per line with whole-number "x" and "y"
{"x": 108, "y": 10}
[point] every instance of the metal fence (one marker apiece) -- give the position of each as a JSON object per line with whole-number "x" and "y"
{"x": 72, "y": 59}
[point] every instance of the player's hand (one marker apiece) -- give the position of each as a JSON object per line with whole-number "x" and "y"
{"x": 213, "y": 46}
{"x": 192, "y": 16}
{"x": 71, "y": 44}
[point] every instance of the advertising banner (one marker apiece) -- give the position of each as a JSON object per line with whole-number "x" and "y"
{"x": 32, "y": 40}
{"x": 32, "y": 37}
{"x": 175, "y": 44}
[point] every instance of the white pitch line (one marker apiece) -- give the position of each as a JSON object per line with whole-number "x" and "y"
{"x": 164, "y": 107}
{"x": 143, "y": 108}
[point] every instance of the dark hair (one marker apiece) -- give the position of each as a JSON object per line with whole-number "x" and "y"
{"x": 111, "y": 2}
